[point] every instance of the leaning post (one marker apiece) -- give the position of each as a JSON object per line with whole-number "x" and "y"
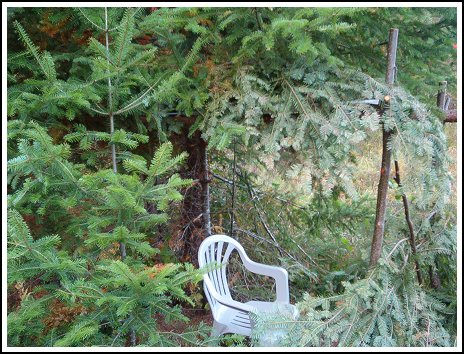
{"x": 377, "y": 239}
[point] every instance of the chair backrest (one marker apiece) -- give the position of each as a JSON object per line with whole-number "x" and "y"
{"x": 217, "y": 249}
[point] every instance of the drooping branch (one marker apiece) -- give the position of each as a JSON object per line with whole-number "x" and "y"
{"x": 412, "y": 238}
{"x": 257, "y": 193}
{"x": 260, "y": 238}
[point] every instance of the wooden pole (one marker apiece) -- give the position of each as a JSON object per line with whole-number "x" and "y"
{"x": 377, "y": 239}
{"x": 444, "y": 101}
{"x": 441, "y": 96}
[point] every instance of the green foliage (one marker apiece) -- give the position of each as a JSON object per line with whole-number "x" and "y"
{"x": 281, "y": 85}
{"x": 425, "y": 53}
{"x": 42, "y": 178}
{"x": 77, "y": 334}
{"x": 160, "y": 165}
{"x": 29, "y": 258}
{"x": 50, "y": 97}
{"x": 314, "y": 119}
{"x": 387, "y": 308}
{"x": 25, "y": 324}
{"x": 123, "y": 295}
{"x": 419, "y": 139}
{"x": 128, "y": 297}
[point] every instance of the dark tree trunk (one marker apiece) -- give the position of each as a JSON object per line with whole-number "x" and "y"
{"x": 194, "y": 223}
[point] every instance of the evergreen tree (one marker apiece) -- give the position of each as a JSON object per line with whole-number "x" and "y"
{"x": 283, "y": 87}
{"x": 101, "y": 297}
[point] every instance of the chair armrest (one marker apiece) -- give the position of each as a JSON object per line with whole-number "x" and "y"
{"x": 225, "y": 300}
{"x": 279, "y": 274}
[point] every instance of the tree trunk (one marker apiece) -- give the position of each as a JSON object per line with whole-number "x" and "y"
{"x": 381, "y": 208}
{"x": 377, "y": 239}
{"x": 194, "y": 223}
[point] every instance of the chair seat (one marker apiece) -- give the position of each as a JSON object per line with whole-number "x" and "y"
{"x": 236, "y": 321}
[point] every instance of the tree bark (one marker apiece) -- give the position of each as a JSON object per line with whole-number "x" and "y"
{"x": 205, "y": 188}
{"x": 377, "y": 239}
{"x": 194, "y": 224}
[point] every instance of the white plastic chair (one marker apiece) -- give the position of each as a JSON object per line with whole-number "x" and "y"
{"x": 231, "y": 316}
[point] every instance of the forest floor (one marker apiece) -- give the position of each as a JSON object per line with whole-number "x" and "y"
{"x": 196, "y": 316}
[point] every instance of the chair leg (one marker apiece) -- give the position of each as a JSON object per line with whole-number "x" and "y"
{"x": 218, "y": 329}
{"x": 216, "y": 332}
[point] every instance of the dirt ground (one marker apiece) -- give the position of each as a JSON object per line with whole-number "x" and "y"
{"x": 196, "y": 316}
